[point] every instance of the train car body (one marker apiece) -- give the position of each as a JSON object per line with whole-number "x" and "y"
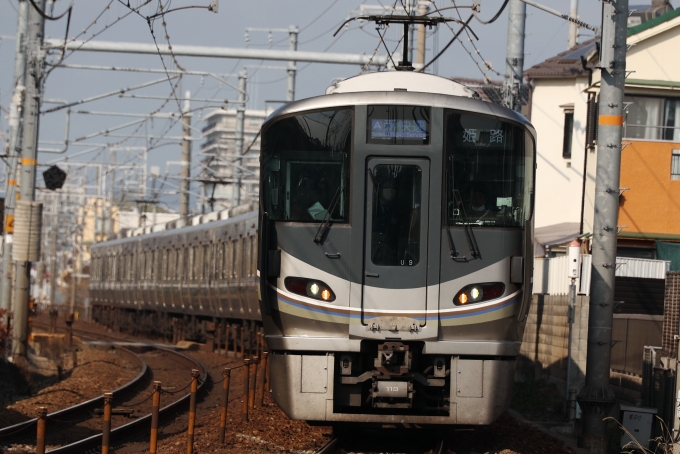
{"x": 396, "y": 250}
{"x": 207, "y": 271}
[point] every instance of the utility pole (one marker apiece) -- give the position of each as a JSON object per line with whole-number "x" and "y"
{"x": 573, "y": 27}
{"x": 15, "y": 116}
{"x": 53, "y": 267}
{"x": 411, "y": 28}
{"x": 597, "y": 398}
{"x": 185, "y": 171}
{"x": 514, "y": 67}
{"x": 292, "y": 68}
{"x": 422, "y": 35}
{"x": 238, "y": 141}
{"x": 34, "y": 70}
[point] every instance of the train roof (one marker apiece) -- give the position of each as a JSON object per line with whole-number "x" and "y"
{"x": 400, "y": 87}
{"x": 401, "y": 81}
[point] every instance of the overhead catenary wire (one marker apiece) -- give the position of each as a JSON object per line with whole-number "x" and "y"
{"x": 45, "y": 16}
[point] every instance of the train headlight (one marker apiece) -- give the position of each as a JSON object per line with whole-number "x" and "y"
{"x": 476, "y": 293}
{"x": 309, "y": 287}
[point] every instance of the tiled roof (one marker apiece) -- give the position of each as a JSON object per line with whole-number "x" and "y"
{"x": 565, "y": 65}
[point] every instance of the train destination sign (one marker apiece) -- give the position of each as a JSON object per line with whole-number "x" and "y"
{"x": 398, "y": 125}
{"x": 398, "y": 129}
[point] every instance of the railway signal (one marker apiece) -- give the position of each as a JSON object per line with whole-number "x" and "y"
{"x": 54, "y": 178}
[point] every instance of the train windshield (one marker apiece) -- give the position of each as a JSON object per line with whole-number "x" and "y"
{"x": 488, "y": 171}
{"x": 305, "y": 167}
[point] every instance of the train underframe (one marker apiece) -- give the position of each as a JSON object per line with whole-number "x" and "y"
{"x": 214, "y": 334}
{"x": 392, "y": 382}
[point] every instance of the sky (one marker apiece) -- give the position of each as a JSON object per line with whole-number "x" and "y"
{"x": 238, "y": 25}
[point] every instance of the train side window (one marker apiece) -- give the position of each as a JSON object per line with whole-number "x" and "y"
{"x": 253, "y": 255}
{"x": 234, "y": 259}
{"x": 244, "y": 257}
{"x": 206, "y": 262}
{"x": 154, "y": 263}
{"x": 226, "y": 256}
{"x": 191, "y": 259}
{"x": 164, "y": 265}
{"x": 219, "y": 260}
{"x": 181, "y": 264}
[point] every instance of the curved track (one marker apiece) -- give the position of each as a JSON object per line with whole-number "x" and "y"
{"x": 26, "y": 431}
{"x": 140, "y": 426}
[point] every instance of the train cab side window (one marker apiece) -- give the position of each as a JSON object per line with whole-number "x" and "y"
{"x": 488, "y": 169}
{"x": 306, "y": 167}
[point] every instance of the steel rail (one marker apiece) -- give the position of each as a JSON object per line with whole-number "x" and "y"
{"x": 27, "y": 429}
{"x": 142, "y": 425}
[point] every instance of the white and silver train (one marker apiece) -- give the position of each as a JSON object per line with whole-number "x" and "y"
{"x": 394, "y": 254}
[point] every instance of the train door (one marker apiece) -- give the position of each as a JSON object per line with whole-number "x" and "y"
{"x": 395, "y": 252}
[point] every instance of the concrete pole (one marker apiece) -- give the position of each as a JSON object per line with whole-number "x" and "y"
{"x": 238, "y": 141}
{"x": 573, "y": 28}
{"x": 292, "y": 69}
{"x": 34, "y": 69}
{"x": 15, "y": 116}
{"x": 422, "y": 37}
{"x": 186, "y": 160}
{"x": 53, "y": 267}
{"x": 597, "y": 398}
{"x": 514, "y": 67}
{"x": 411, "y": 28}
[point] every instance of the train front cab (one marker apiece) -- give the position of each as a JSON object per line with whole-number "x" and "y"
{"x": 407, "y": 304}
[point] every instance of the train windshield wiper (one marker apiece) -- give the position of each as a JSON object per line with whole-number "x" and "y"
{"x": 467, "y": 227}
{"x": 325, "y": 224}
{"x": 452, "y": 246}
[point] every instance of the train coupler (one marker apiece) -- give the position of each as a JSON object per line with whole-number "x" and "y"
{"x": 392, "y": 394}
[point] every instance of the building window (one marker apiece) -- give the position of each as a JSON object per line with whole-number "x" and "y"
{"x": 675, "y": 165}
{"x": 568, "y": 133}
{"x": 652, "y": 118}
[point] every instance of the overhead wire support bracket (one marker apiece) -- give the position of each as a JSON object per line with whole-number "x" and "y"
{"x": 566, "y": 17}
{"x": 406, "y": 20}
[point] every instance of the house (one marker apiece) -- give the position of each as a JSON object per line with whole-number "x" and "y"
{"x": 563, "y": 109}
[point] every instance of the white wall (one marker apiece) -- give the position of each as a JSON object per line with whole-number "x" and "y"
{"x": 559, "y": 181}
{"x": 130, "y": 219}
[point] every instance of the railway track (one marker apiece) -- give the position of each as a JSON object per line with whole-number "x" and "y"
{"x": 77, "y": 429}
{"x": 387, "y": 441}
{"x": 26, "y": 431}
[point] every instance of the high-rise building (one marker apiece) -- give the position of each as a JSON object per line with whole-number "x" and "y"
{"x": 222, "y": 166}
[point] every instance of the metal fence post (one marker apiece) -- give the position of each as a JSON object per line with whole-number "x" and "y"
{"x": 253, "y": 389}
{"x": 265, "y": 382}
{"x": 246, "y": 385}
{"x": 106, "y": 429}
{"x": 242, "y": 330}
{"x": 225, "y": 403}
{"x": 40, "y": 444}
{"x": 235, "y": 329}
{"x": 153, "y": 445}
{"x": 192, "y": 411}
